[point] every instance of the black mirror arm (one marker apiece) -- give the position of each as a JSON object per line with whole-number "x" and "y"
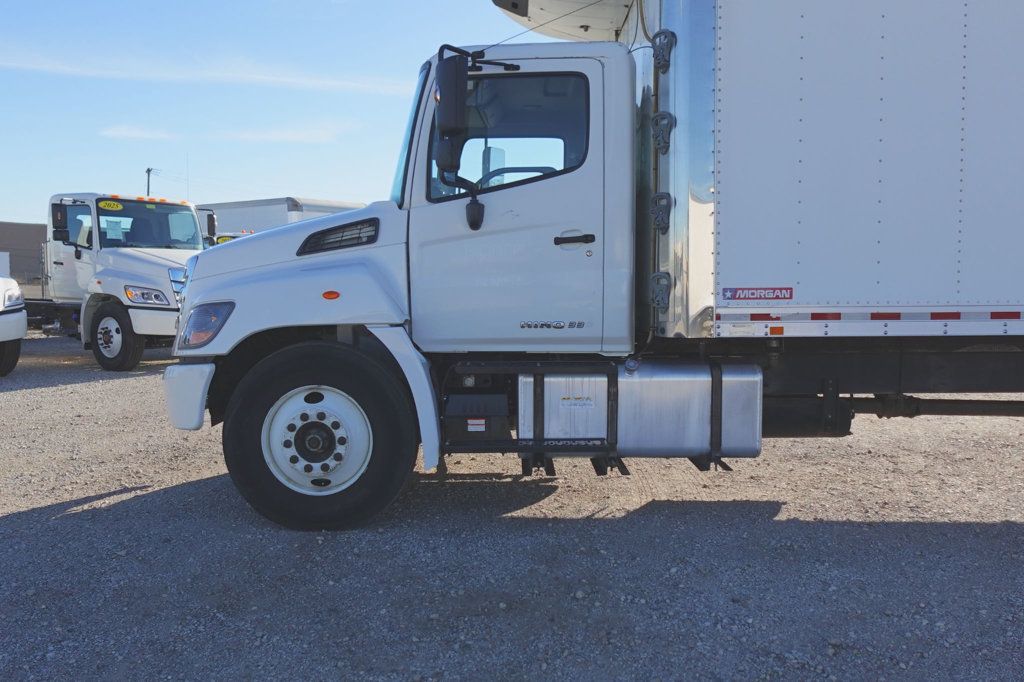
{"x": 474, "y": 209}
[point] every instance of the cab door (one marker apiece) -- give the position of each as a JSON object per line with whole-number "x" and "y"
{"x": 66, "y": 261}
{"x": 531, "y": 277}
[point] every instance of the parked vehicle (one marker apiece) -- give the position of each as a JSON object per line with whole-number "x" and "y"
{"x": 769, "y": 219}
{"x": 13, "y": 324}
{"x": 241, "y": 218}
{"x": 113, "y": 267}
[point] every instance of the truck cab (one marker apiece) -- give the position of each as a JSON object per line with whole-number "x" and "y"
{"x": 118, "y": 262}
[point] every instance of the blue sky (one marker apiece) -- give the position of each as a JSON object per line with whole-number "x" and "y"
{"x": 251, "y": 98}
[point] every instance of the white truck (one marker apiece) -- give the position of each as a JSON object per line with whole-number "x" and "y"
{"x": 240, "y": 218}
{"x": 13, "y": 324}
{"x": 701, "y": 224}
{"x": 113, "y": 267}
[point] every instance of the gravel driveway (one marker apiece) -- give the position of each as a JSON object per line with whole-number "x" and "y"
{"x": 126, "y": 552}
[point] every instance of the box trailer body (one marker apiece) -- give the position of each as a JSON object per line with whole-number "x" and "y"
{"x": 256, "y": 215}
{"x": 697, "y": 225}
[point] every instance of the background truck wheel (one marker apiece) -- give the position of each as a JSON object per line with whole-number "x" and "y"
{"x": 115, "y": 344}
{"x": 10, "y": 351}
{"x": 320, "y": 436}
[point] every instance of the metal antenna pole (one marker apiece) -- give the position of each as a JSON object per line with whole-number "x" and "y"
{"x": 149, "y": 171}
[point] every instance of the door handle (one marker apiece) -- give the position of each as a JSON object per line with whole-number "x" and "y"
{"x": 58, "y": 262}
{"x": 576, "y": 239}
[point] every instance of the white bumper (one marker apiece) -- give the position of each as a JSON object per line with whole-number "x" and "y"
{"x": 185, "y": 389}
{"x": 13, "y": 325}
{"x": 154, "y": 322}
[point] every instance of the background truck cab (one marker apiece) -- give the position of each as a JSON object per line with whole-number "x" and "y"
{"x": 118, "y": 262}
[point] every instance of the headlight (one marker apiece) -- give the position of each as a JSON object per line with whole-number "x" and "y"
{"x": 13, "y": 297}
{"x": 204, "y": 323}
{"x": 145, "y": 296}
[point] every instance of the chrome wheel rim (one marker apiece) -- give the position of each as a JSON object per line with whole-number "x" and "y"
{"x": 317, "y": 440}
{"x": 109, "y": 338}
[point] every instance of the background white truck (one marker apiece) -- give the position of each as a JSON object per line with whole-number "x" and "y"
{"x": 112, "y": 267}
{"x": 723, "y": 221}
{"x": 13, "y": 322}
{"x": 239, "y": 218}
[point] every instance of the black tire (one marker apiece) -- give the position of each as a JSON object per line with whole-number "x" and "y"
{"x": 132, "y": 345}
{"x": 379, "y": 393}
{"x": 10, "y": 351}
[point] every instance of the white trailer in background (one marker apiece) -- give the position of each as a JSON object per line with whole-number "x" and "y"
{"x": 722, "y": 221}
{"x": 236, "y": 218}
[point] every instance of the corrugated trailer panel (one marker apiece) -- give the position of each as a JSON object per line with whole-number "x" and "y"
{"x": 867, "y": 155}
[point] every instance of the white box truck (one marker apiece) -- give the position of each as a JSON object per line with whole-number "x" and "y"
{"x": 761, "y": 220}
{"x": 240, "y": 218}
{"x": 113, "y": 266}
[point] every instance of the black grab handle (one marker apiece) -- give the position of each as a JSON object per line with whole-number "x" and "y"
{"x": 576, "y": 239}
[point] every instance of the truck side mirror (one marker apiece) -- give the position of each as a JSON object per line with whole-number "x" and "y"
{"x": 211, "y": 224}
{"x": 450, "y": 115}
{"x": 59, "y": 218}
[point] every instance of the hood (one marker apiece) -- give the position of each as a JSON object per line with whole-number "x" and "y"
{"x": 272, "y": 246}
{"x": 129, "y": 258}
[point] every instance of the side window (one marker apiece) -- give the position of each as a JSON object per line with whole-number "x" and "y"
{"x": 80, "y": 225}
{"x": 521, "y": 128}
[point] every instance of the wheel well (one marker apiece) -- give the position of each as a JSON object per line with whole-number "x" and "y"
{"x": 92, "y": 303}
{"x": 236, "y": 364}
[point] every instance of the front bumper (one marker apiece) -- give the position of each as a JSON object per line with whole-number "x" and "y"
{"x": 185, "y": 390}
{"x": 154, "y": 322}
{"x": 13, "y": 324}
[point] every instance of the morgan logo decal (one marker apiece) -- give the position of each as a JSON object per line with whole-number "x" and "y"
{"x": 758, "y": 294}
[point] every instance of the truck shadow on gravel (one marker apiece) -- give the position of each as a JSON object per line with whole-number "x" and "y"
{"x": 187, "y": 580}
{"x": 54, "y": 361}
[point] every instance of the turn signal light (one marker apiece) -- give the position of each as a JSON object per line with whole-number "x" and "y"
{"x": 331, "y": 295}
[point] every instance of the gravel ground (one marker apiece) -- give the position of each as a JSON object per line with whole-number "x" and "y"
{"x": 127, "y": 553}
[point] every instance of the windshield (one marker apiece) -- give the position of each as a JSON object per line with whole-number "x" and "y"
{"x": 147, "y": 225}
{"x": 402, "y": 171}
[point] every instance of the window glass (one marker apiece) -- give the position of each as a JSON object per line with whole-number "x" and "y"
{"x": 401, "y": 171}
{"x": 80, "y": 225}
{"x": 142, "y": 224}
{"x": 521, "y": 128}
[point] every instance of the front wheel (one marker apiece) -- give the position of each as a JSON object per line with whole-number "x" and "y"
{"x": 319, "y": 436}
{"x": 10, "y": 351}
{"x": 115, "y": 345}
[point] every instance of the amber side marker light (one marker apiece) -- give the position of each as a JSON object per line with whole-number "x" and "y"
{"x": 331, "y": 295}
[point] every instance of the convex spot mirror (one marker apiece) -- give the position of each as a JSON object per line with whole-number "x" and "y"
{"x": 450, "y": 114}
{"x": 59, "y": 218}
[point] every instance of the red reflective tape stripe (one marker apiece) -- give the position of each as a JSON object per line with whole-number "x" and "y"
{"x": 1005, "y": 316}
{"x": 826, "y": 316}
{"x": 886, "y": 316}
{"x": 718, "y": 316}
{"x": 763, "y": 317}
{"x": 945, "y": 316}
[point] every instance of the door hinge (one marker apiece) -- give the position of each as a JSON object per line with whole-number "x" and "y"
{"x": 661, "y": 211}
{"x": 663, "y": 42}
{"x": 662, "y": 124}
{"x": 661, "y": 290}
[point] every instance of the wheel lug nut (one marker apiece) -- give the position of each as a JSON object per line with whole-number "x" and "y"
{"x": 308, "y": 468}
{"x": 294, "y": 459}
{"x": 325, "y": 467}
{"x": 304, "y": 417}
{"x": 287, "y": 443}
{"x": 342, "y": 440}
{"x": 335, "y": 425}
{"x": 291, "y": 427}
{"x": 321, "y": 416}
{"x": 338, "y": 456}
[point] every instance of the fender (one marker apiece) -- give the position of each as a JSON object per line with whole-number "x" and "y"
{"x": 417, "y": 375}
{"x": 361, "y": 291}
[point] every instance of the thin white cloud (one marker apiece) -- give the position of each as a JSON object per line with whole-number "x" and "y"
{"x": 130, "y": 132}
{"x": 237, "y": 72}
{"x": 299, "y": 134}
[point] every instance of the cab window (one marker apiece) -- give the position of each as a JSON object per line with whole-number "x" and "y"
{"x": 80, "y": 225}
{"x": 522, "y": 128}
